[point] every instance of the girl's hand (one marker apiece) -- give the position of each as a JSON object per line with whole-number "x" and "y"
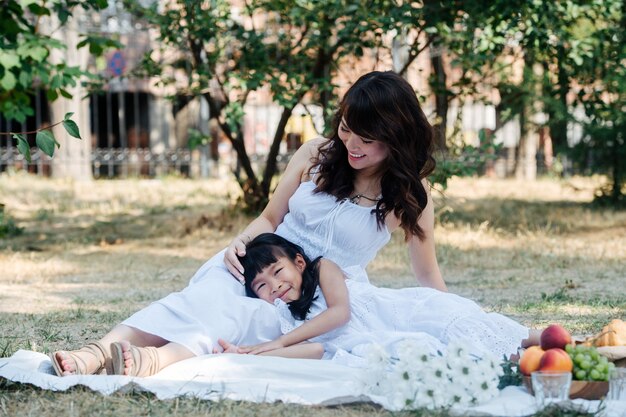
{"x": 227, "y": 347}
{"x": 236, "y": 248}
{"x": 263, "y": 347}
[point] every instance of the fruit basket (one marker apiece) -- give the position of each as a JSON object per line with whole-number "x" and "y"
{"x": 586, "y": 390}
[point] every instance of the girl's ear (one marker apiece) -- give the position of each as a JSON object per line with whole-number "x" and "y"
{"x": 300, "y": 262}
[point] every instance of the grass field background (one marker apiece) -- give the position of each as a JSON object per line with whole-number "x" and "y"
{"x": 93, "y": 253}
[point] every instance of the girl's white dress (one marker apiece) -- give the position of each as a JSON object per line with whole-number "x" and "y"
{"x": 214, "y": 304}
{"x": 387, "y": 316}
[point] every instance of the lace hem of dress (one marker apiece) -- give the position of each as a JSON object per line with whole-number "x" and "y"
{"x": 499, "y": 335}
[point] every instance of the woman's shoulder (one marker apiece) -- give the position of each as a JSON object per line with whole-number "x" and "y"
{"x": 308, "y": 155}
{"x": 311, "y": 148}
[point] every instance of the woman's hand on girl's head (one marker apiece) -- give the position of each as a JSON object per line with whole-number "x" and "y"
{"x": 236, "y": 248}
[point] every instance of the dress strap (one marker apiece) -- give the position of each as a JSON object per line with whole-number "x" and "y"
{"x": 313, "y": 172}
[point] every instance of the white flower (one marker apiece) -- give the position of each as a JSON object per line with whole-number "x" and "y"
{"x": 415, "y": 378}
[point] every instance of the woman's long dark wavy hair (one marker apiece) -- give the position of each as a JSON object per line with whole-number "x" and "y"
{"x": 264, "y": 250}
{"x": 382, "y": 106}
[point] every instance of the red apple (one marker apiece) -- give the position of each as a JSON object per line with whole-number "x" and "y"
{"x": 556, "y": 359}
{"x": 555, "y": 336}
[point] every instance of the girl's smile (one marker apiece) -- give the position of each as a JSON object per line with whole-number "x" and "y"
{"x": 280, "y": 280}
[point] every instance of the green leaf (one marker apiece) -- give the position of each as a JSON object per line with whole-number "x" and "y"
{"x": 9, "y": 60}
{"x": 25, "y": 79}
{"x": 46, "y": 142}
{"x": 38, "y": 53}
{"x": 22, "y": 146}
{"x": 8, "y": 81}
{"x": 68, "y": 115}
{"x": 64, "y": 15}
{"x": 71, "y": 128}
{"x": 38, "y": 10}
{"x": 52, "y": 95}
{"x": 64, "y": 93}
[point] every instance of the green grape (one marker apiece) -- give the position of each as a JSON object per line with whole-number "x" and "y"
{"x": 569, "y": 348}
{"x": 578, "y": 358}
{"x": 589, "y": 364}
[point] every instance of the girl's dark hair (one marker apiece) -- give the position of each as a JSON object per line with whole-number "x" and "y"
{"x": 264, "y": 250}
{"x": 382, "y": 106}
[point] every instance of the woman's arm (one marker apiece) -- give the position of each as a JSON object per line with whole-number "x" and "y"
{"x": 422, "y": 252}
{"x": 276, "y": 208}
{"x": 333, "y": 286}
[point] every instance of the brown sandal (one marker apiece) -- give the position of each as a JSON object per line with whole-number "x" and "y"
{"x": 145, "y": 360}
{"x": 95, "y": 349}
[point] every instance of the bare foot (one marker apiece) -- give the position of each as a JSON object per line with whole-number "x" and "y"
{"x": 68, "y": 364}
{"x": 128, "y": 356}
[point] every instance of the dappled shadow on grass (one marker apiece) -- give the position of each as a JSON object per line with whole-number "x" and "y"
{"x": 514, "y": 215}
{"x": 117, "y": 228}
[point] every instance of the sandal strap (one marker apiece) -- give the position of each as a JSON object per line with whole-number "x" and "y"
{"x": 97, "y": 351}
{"x": 145, "y": 361}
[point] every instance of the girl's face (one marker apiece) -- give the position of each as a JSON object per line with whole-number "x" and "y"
{"x": 363, "y": 153}
{"x": 282, "y": 279}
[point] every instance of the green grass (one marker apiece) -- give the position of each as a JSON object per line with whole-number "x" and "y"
{"x": 93, "y": 253}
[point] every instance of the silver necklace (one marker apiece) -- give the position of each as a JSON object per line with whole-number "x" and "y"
{"x": 356, "y": 198}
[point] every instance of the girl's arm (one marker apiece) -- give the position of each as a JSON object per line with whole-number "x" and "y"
{"x": 333, "y": 286}
{"x": 301, "y": 350}
{"x": 422, "y": 252}
{"x": 276, "y": 208}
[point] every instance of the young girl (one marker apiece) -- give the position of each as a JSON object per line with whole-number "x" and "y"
{"x": 317, "y": 304}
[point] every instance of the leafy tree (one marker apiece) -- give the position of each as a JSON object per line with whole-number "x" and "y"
{"x": 602, "y": 93}
{"x": 291, "y": 49}
{"x": 25, "y": 64}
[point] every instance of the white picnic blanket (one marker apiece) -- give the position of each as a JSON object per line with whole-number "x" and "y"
{"x": 260, "y": 379}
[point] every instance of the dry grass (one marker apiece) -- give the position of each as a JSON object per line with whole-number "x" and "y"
{"x": 533, "y": 250}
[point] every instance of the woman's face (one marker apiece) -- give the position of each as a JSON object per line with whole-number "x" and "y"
{"x": 363, "y": 153}
{"x": 282, "y": 279}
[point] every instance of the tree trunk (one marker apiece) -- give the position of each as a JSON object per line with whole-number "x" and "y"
{"x": 617, "y": 170}
{"x": 270, "y": 167}
{"x": 558, "y": 129}
{"x": 441, "y": 100}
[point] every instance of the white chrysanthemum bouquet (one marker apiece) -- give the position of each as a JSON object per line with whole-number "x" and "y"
{"x": 418, "y": 379}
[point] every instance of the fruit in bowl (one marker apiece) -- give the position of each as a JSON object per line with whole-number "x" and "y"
{"x": 556, "y": 359}
{"x": 555, "y": 336}
{"x": 589, "y": 365}
{"x": 529, "y": 362}
{"x": 590, "y": 370}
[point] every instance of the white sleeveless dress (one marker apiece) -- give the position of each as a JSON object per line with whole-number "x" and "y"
{"x": 214, "y": 304}
{"x": 387, "y": 316}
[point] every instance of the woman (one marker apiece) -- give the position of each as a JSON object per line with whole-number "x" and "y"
{"x": 339, "y": 198}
